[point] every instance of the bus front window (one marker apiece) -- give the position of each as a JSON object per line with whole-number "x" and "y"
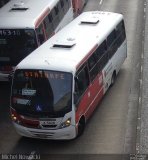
{"x": 16, "y": 44}
{"x": 42, "y": 93}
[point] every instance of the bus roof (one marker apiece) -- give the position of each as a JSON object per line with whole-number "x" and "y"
{"x": 66, "y": 50}
{"x": 24, "y": 13}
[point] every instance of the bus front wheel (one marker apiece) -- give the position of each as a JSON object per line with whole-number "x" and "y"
{"x": 81, "y": 126}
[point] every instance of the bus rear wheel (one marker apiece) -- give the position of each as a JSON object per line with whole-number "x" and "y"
{"x": 81, "y": 127}
{"x": 113, "y": 78}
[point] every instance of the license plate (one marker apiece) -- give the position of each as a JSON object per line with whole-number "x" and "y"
{"x": 47, "y": 123}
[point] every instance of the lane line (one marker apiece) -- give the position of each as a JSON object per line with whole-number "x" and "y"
{"x": 141, "y": 69}
{"x": 141, "y": 82}
{"x": 139, "y": 103}
{"x": 101, "y": 1}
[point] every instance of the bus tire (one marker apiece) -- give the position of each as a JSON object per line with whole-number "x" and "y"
{"x": 113, "y": 78}
{"x": 85, "y": 2}
{"x": 81, "y": 126}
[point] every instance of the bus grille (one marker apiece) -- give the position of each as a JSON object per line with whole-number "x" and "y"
{"x": 42, "y": 134}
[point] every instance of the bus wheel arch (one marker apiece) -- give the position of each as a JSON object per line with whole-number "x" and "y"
{"x": 113, "y": 78}
{"x": 81, "y": 126}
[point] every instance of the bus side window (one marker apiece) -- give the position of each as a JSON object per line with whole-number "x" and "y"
{"x": 101, "y": 55}
{"x": 62, "y": 3}
{"x": 66, "y": 5}
{"x": 91, "y": 62}
{"x": 50, "y": 18}
{"x": 101, "y": 50}
{"x": 55, "y": 15}
{"x": 68, "y": 2}
{"x": 81, "y": 83}
{"x": 92, "y": 65}
{"x": 120, "y": 30}
{"x": 123, "y": 30}
{"x": 111, "y": 43}
{"x": 48, "y": 26}
{"x": 40, "y": 34}
{"x": 56, "y": 9}
{"x": 61, "y": 10}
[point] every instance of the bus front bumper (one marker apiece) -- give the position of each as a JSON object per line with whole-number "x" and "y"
{"x": 57, "y": 134}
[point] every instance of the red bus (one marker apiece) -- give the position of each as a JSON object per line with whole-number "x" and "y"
{"x": 58, "y": 86}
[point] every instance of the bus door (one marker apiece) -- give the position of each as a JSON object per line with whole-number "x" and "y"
{"x": 96, "y": 82}
{"x": 82, "y": 95}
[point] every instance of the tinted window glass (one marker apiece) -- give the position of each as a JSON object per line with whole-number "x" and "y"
{"x": 16, "y": 44}
{"x": 56, "y": 9}
{"x": 91, "y": 62}
{"x": 48, "y": 27}
{"x": 61, "y": 11}
{"x": 102, "y": 62}
{"x": 112, "y": 43}
{"x": 55, "y": 20}
{"x": 40, "y": 34}
{"x": 62, "y": 3}
{"x": 111, "y": 38}
{"x": 93, "y": 69}
{"x": 101, "y": 50}
{"x": 120, "y": 29}
{"x": 81, "y": 82}
{"x": 41, "y": 93}
{"x": 50, "y": 18}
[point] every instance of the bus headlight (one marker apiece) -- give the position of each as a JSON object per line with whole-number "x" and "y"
{"x": 14, "y": 118}
{"x": 65, "y": 123}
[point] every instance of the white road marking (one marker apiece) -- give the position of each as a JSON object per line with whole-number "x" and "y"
{"x": 101, "y": 1}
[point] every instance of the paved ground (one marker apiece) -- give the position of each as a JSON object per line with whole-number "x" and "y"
{"x": 143, "y": 126}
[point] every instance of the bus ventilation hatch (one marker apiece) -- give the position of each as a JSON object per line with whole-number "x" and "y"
{"x": 19, "y": 7}
{"x": 93, "y": 20}
{"x": 68, "y": 44}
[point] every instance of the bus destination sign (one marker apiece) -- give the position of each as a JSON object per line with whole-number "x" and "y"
{"x": 9, "y": 32}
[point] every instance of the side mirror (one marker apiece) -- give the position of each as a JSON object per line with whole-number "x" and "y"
{"x": 76, "y": 97}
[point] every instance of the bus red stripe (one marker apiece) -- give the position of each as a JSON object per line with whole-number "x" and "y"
{"x": 40, "y": 19}
{"x": 88, "y": 103}
{"x": 87, "y": 56}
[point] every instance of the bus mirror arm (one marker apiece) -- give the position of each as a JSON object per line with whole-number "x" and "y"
{"x": 10, "y": 77}
{"x": 75, "y": 98}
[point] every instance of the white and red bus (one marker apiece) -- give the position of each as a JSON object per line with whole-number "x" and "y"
{"x": 25, "y": 25}
{"x": 78, "y": 6}
{"x": 57, "y": 87}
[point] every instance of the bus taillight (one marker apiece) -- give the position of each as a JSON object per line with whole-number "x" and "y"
{"x": 6, "y": 69}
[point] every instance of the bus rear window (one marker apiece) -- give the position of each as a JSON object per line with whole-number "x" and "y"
{"x": 16, "y": 44}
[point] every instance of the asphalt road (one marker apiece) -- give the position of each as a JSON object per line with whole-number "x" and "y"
{"x": 113, "y": 127}
{"x": 143, "y": 118}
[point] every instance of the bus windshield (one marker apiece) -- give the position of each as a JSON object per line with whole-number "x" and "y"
{"x": 38, "y": 93}
{"x": 16, "y": 44}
